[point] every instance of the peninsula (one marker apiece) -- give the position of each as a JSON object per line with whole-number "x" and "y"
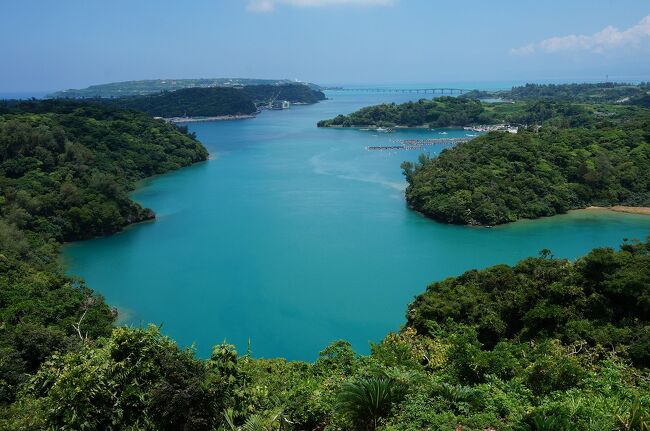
{"x": 153, "y": 86}
{"x": 213, "y": 103}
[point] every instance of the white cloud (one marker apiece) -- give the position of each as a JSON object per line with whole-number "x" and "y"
{"x": 608, "y": 38}
{"x": 524, "y": 50}
{"x": 269, "y": 5}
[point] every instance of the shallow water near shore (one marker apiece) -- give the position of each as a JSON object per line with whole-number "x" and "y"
{"x": 293, "y": 237}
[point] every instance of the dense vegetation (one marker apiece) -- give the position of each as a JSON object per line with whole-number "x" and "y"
{"x": 545, "y": 345}
{"x": 188, "y": 102}
{"x": 66, "y": 169}
{"x": 604, "y": 92}
{"x": 294, "y": 93}
{"x": 602, "y": 299}
{"x": 213, "y": 101}
{"x": 456, "y": 112}
{"x": 500, "y": 177}
{"x": 152, "y": 86}
{"x": 439, "y": 112}
{"x": 535, "y": 105}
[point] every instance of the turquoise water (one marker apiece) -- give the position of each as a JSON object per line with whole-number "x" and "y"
{"x": 293, "y": 236}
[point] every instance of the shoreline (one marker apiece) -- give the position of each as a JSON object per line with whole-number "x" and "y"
{"x": 623, "y": 209}
{"x": 176, "y": 120}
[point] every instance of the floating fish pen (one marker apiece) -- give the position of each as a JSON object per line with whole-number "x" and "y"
{"x": 416, "y": 144}
{"x": 386, "y": 147}
{"x": 430, "y": 141}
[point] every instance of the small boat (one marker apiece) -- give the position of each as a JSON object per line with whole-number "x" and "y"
{"x": 444, "y": 133}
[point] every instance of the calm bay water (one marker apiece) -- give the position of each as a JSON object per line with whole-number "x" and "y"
{"x": 293, "y": 237}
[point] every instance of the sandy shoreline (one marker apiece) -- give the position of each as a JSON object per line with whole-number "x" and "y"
{"x": 623, "y": 209}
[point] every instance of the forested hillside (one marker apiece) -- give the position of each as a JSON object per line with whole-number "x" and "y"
{"x": 438, "y": 112}
{"x": 457, "y": 112}
{"x": 66, "y": 170}
{"x": 213, "y": 101}
{"x": 294, "y": 93}
{"x": 153, "y": 86}
{"x": 190, "y": 102}
{"x": 603, "y": 92}
{"x": 67, "y": 167}
{"x": 534, "y": 103}
{"x": 500, "y": 177}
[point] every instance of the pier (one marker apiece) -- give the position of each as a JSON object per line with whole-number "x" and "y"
{"x": 385, "y": 147}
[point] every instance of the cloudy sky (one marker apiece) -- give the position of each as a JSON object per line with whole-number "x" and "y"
{"x": 49, "y": 45}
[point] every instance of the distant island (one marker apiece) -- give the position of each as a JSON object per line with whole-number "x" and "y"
{"x": 520, "y": 105}
{"x": 193, "y": 103}
{"x": 151, "y": 86}
{"x": 604, "y": 92}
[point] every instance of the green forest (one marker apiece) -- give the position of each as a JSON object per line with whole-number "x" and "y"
{"x": 153, "y": 86}
{"x": 603, "y": 92}
{"x": 439, "y": 112}
{"x": 544, "y": 345}
{"x": 501, "y": 177}
{"x": 449, "y": 111}
{"x": 66, "y": 170}
{"x": 187, "y": 102}
{"x": 294, "y": 93}
{"x": 212, "y": 101}
{"x": 525, "y": 105}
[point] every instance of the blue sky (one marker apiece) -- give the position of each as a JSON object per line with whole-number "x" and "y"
{"x": 50, "y": 45}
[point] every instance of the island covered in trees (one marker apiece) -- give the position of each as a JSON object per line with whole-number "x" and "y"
{"x": 152, "y": 86}
{"x": 214, "y": 101}
{"x": 188, "y": 102}
{"x": 526, "y": 105}
{"x": 545, "y": 344}
{"x": 604, "y": 92}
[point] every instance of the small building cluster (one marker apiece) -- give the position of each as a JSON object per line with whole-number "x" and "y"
{"x": 279, "y": 104}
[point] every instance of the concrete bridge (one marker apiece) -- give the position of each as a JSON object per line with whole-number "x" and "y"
{"x": 403, "y": 90}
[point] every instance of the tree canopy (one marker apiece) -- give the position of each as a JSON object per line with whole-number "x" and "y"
{"x": 500, "y": 177}
{"x": 599, "y": 92}
{"x": 212, "y": 101}
{"x": 190, "y": 102}
{"x": 66, "y": 170}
